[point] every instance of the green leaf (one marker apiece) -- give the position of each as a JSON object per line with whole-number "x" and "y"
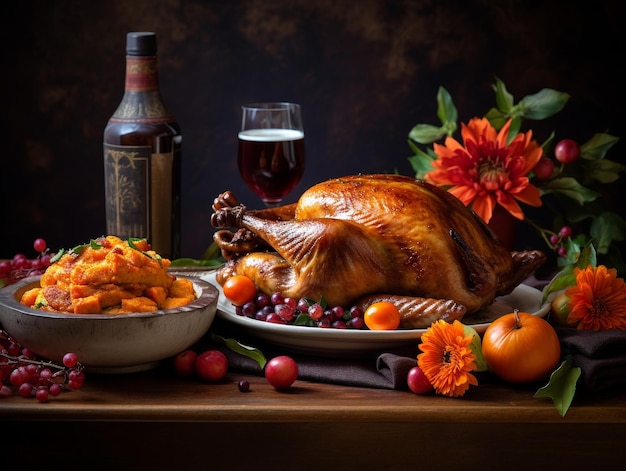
{"x": 563, "y": 279}
{"x": 421, "y": 162}
{"x": 605, "y": 171}
{"x": 304, "y": 320}
{"x": 562, "y": 386}
{"x": 213, "y": 251}
{"x": 476, "y": 348}
{"x": 497, "y": 118}
{"x": 97, "y": 246}
{"x": 250, "y": 352}
{"x": 597, "y": 147}
{"x": 568, "y": 186}
{"x": 587, "y": 257}
{"x": 605, "y": 228}
{"x": 504, "y": 100}
{"x": 446, "y": 111}
{"x": 516, "y": 125}
{"x": 543, "y": 104}
{"x": 426, "y": 133}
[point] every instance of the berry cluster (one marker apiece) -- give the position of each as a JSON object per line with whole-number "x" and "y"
{"x": 20, "y": 266}
{"x": 20, "y": 369}
{"x": 280, "y": 309}
{"x": 557, "y": 240}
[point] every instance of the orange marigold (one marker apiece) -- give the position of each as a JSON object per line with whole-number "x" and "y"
{"x": 487, "y": 169}
{"x": 446, "y": 359}
{"x": 598, "y": 299}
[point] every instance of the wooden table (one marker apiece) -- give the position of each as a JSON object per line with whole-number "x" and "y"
{"x": 154, "y": 420}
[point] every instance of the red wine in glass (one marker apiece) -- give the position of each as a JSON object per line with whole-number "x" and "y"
{"x": 271, "y": 156}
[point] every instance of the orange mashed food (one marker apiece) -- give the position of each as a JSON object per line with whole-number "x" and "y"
{"x": 110, "y": 276}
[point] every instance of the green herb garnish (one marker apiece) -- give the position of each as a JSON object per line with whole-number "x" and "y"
{"x": 133, "y": 240}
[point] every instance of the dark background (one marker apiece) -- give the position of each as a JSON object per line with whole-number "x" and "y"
{"x": 364, "y": 71}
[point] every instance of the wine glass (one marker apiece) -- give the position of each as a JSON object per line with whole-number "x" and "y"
{"x": 271, "y": 149}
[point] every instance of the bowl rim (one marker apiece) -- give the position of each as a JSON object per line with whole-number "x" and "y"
{"x": 206, "y": 293}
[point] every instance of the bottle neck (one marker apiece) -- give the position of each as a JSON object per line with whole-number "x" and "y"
{"x": 141, "y": 74}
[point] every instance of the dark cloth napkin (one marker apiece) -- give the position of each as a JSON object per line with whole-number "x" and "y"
{"x": 387, "y": 370}
{"x": 601, "y": 356}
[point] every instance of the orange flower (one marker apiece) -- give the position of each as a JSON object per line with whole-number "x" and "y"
{"x": 597, "y": 300}
{"x": 447, "y": 360}
{"x": 487, "y": 170}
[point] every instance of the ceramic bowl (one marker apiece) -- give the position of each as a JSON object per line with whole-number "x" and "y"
{"x": 108, "y": 343}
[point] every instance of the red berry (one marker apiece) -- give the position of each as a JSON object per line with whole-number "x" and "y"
{"x": 211, "y": 365}
{"x": 544, "y": 168}
{"x": 565, "y": 232}
{"x": 417, "y": 381}
{"x": 567, "y": 151}
{"x": 281, "y": 371}
{"x": 184, "y": 363}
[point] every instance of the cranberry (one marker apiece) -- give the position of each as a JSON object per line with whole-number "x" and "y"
{"x": 544, "y": 168}
{"x": 567, "y": 151}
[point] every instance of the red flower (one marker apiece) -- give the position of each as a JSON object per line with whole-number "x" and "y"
{"x": 487, "y": 170}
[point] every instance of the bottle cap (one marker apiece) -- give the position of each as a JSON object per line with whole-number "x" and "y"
{"x": 141, "y": 44}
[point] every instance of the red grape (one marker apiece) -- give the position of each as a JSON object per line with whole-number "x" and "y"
{"x": 281, "y": 371}
{"x": 211, "y": 365}
{"x": 417, "y": 381}
{"x": 20, "y": 266}
{"x": 184, "y": 363}
{"x": 70, "y": 360}
{"x": 39, "y": 245}
{"x": 279, "y": 309}
{"x": 42, "y": 394}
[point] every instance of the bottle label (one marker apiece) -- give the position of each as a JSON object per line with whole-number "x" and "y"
{"x": 141, "y": 74}
{"x": 139, "y": 194}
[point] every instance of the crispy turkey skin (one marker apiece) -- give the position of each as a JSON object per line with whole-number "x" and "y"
{"x": 363, "y": 238}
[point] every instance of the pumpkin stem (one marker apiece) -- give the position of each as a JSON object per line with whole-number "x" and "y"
{"x": 516, "y": 314}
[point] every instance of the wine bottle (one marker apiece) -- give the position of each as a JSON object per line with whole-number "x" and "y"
{"x": 142, "y": 156}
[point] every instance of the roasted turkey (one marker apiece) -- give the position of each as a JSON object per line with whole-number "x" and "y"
{"x": 363, "y": 238}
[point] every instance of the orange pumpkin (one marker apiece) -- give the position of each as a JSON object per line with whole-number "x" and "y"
{"x": 521, "y": 348}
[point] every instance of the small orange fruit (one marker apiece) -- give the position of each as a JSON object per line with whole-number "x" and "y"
{"x": 239, "y": 289}
{"x": 521, "y": 348}
{"x": 382, "y": 315}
